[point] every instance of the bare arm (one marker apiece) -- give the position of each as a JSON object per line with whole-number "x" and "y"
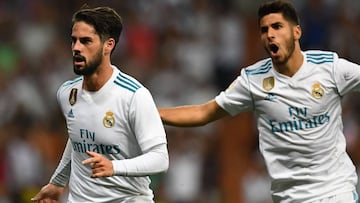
{"x": 192, "y": 115}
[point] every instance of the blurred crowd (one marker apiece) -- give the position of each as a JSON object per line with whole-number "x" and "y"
{"x": 184, "y": 52}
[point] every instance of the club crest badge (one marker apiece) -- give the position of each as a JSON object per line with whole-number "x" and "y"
{"x": 317, "y": 91}
{"x": 109, "y": 120}
{"x": 73, "y": 96}
{"x": 268, "y": 83}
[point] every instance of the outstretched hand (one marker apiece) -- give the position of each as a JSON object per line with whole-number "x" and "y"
{"x": 100, "y": 165}
{"x": 50, "y": 193}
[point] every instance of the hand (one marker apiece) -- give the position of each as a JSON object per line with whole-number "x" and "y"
{"x": 50, "y": 193}
{"x": 100, "y": 165}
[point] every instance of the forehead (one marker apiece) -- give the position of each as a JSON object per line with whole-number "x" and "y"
{"x": 272, "y": 18}
{"x": 82, "y": 29}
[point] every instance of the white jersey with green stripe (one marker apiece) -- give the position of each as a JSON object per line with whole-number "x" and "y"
{"x": 121, "y": 122}
{"x": 299, "y": 122}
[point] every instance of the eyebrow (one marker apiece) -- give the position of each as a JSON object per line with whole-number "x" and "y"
{"x": 81, "y": 38}
{"x": 272, "y": 24}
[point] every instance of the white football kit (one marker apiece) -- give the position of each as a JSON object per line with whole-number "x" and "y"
{"x": 121, "y": 122}
{"x": 299, "y": 123}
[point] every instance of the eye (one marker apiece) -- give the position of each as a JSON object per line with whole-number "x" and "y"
{"x": 263, "y": 29}
{"x": 277, "y": 26}
{"x": 73, "y": 40}
{"x": 85, "y": 40}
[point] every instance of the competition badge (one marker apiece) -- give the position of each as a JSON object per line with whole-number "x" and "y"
{"x": 72, "y": 96}
{"x": 317, "y": 91}
{"x": 109, "y": 120}
{"x": 268, "y": 83}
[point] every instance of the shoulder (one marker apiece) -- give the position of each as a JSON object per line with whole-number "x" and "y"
{"x": 70, "y": 84}
{"x": 259, "y": 68}
{"x": 129, "y": 90}
{"x": 69, "y": 90}
{"x": 126, "y": 83}
{"x": 320, "y": 57}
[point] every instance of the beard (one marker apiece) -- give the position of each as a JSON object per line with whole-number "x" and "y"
{"x": 289, "y": 48}
{"x": 90, "y": 66}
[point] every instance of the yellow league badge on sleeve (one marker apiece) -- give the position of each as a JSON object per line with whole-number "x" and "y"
{"x": 73, "y": 96}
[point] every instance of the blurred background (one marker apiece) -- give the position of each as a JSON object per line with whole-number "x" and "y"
{"x": 184, "y": 52}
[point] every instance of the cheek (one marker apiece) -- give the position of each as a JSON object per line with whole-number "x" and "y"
{"x": 263, "y": 39}
{"x": 95, "y": 52}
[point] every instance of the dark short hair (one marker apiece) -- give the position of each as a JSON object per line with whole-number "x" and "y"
{"x": 105, "y": 20}
{"x": 284, "y": 7}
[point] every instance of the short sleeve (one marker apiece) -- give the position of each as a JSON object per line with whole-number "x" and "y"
{"x": 237, "y": 97}
{"x": 347, "y": 76}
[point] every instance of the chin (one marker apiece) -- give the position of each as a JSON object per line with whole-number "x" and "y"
{"x": 78, "y": 70}
{"x": 277, "y": 60}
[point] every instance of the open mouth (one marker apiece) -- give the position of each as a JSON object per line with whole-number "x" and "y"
{"x": 273, "y": 48}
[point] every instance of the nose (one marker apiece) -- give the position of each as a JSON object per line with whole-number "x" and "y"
{"x": 76, "y": 46}
{"x": 270, "y": 33}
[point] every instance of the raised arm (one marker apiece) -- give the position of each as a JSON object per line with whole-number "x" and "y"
{"x": 192, "y": 115}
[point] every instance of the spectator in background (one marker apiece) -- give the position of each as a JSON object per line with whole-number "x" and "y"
{"x": 315, "y": 21}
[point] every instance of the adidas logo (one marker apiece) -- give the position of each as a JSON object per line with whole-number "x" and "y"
{"x": 70, "y": 114}
{"x": 270, "y": 97}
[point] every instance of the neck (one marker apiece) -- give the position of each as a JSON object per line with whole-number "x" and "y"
{"x": 292, "y": 65}
{"x": 95, "y": 81}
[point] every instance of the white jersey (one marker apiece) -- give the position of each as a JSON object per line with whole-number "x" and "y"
{"x": 299, "y": 122}
{"x": 121, "y": 122}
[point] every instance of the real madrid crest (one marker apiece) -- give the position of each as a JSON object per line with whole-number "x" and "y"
{"x": 73, "y": 96}
{"x": 268, "y": 83}
{"x": 109, "y": 120}
{"x": 317, "y": 91}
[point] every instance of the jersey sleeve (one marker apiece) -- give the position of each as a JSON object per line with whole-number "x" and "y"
{"x": 60, "y": 97}
{"x": 62, "y": 173}
{"x": 155, "y": 160}
{"x": 150, "y": 134}
{"x": 236, "y": 98}
{"x": 347, "y": 76}
{"x": 145, "y": 120}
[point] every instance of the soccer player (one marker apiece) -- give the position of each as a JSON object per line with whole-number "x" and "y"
{"x": 296, "y": 97}
{"x": 116, "y": 137}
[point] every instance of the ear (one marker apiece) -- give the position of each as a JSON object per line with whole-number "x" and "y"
{"x": 109, "y": 45}
{"x": 297, "y": 32}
